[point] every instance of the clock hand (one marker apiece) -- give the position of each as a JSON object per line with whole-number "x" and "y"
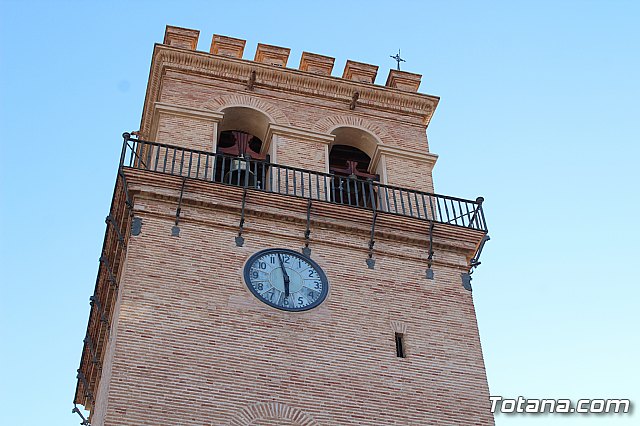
{"x": 285, "y": 276}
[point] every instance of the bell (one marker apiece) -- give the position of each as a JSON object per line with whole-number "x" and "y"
{"x": 239, "y": 175}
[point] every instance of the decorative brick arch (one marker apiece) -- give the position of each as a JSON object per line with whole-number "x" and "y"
{"x": 329, "y": 124}
{"x": 399, "y": 326}
{"x": 274, "y": 113}
{"x": 253, "y": 414}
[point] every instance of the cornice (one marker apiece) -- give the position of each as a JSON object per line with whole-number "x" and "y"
{"x": 280, "y": 79}
{"x": 381, "y": 150}
{"x": 389, "y": 230}
{"x": 295, "y": 133}
{"x": 160, "y": 107}
{"x": 299, "y": 134}
{"x": 179, "y": 110}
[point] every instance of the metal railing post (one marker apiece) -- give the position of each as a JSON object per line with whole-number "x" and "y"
{"x": 125, "y": 136}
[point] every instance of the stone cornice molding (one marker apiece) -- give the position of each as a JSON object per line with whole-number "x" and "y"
{"x": 281, "y": 79}
{"x": 177, "y": 110}
{"x": 385, "y": 150}
{"x": 161, "y": 107}
{"x": 295, "y": 133}
{"x": 299, "y": 134}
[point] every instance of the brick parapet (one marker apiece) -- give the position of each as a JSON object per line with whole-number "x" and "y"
{"x": 278, "y": 79}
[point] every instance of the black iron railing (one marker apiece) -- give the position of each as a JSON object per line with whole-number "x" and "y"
{"x": 326, "y": 187}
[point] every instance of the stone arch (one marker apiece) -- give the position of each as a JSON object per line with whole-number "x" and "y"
{"x": 254, "y": 414}
{"x": 329, "y": 124}
{"x": 399, "y": 326}
{"x": 275, "y": 114}
{"x": 356, "y": 137}
{"x": 245, "y": 119}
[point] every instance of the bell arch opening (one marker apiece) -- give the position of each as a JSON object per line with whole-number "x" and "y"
{"x": 350, "y": 162}
{"x": 357, "y": 138}
{"x": 240, "y": 140}
{"x": 245, "y": 119}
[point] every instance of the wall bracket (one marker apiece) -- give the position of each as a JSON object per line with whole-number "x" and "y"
{"x": 127, "y": 198}
{"x": 93, "y": 300}
{"x": 474, "y": 263}
{"x": 239, "y": 237}
{"x": 371, "y": 262}
{"x": 175, "y": 229}
{"x": 87, "y": 341}
{"x": 85, "y": 383}
{"x": 354, "y": 100}
{"x": 476, "y": 259}
{"x": 429, "y": 272}
{"x": 306, "y": 250}
{"x": 112, "y": 277}
{"x": 111, "y": 221}
{"x": 251, "y": 82}
{"x": 84, "y": 422}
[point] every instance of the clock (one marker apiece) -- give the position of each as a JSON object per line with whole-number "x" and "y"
{"x": 286, "y": 279}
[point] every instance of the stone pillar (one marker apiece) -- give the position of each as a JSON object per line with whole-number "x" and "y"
{"x": 299, "y": 148}
{"x": 183, "y": 127}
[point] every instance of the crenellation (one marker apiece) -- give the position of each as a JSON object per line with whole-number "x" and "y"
{"x": 227, "y": 46}
{"x": 316, "y": 64}
{"x": 403, "y": 80}
{"x": 359, "y": 71}
{"x": 272, "y": 55}
{"x": 184, "y": 38}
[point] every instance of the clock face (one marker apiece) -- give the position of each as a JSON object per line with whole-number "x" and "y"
{"x": 286, "y": 279}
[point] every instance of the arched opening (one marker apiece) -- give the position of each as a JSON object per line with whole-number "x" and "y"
{"x": 350, "y": 161}
{"x": 245, "y": 119}
{"x": 346, "y": 160}
{"x": 240, "y": 141}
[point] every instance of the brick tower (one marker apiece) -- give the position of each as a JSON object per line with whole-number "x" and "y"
{"x": 275, "y": 253}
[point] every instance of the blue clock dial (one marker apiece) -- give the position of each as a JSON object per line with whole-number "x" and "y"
{"x": 286, "y": 279}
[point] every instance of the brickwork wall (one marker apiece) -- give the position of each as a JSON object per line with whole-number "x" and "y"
{"x": 408, "y": 173}
{"x": 317, "y": 114}
{"x": 301, "y": 111}
{"x": 196, "y": 347}
{"x": 303, "y": 154}
{"x": 187, "y": 132}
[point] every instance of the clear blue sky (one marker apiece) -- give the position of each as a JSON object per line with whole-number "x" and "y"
{"x": 539, "y": 114}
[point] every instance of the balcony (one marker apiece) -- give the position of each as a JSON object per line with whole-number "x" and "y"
{"x": 250, "y": 175}
{"x": 258, "y": 175}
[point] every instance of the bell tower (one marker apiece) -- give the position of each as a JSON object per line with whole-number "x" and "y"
{"x": 275, "y": 253}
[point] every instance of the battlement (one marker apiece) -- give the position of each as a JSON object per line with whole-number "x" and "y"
{"x": 313, "y": 63}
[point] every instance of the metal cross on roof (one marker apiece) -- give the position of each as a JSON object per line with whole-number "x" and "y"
{"x": 398, "y": 59}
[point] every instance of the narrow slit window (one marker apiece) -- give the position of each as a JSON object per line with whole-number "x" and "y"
{"x": 400, "y": 353}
